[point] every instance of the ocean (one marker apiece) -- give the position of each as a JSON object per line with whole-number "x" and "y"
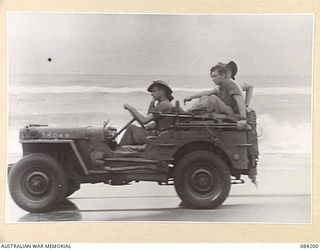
{"x": 283, "y": 105}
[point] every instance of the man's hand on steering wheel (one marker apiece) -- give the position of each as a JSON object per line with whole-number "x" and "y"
{"x": 131, "y": 111}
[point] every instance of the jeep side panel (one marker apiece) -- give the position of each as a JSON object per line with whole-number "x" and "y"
{"x": 231, "y": 143}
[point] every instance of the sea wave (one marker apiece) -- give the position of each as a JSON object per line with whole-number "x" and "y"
{"x": 284, "y": 137}
{"x": 99, "y": 89}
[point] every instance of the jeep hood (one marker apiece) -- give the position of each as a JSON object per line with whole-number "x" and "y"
{"x": 43, "y": 132}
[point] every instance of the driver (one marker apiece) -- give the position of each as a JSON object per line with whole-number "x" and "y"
{"x": 161, "y": 102}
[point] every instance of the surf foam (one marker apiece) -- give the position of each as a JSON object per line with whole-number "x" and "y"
{"x": 98, "y": 89}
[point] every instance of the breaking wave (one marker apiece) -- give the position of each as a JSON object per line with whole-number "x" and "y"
{"x": 284, "y": 137}
{"x": 98, "y": 89}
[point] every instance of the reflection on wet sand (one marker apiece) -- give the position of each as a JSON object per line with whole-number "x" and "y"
{"x": 68, "y": 211}
{"x": 276, "y": 203}
{"x": 238, "y": 208}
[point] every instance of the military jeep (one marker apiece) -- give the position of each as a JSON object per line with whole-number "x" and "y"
{"x": 200, "y": 155}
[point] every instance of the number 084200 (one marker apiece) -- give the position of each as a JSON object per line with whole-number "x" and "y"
{"x": 308, "y": 245}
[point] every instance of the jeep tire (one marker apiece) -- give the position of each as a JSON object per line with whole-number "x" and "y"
{"x": 38, "y": 183}
{"x": 202, "y": 180}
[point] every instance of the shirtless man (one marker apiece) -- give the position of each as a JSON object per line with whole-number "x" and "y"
{"x": 161, "y": 102}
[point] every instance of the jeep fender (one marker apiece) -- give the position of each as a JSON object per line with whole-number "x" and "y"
{"x": 202, "y": 145}
{"x": 65, "y": 142}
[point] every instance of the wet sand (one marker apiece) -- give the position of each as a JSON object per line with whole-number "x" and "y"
{"x": 283, "y": 195}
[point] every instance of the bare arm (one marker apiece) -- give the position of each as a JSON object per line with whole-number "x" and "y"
{"x": 141, "y": 118}
{"x": 152, "y": 106}
{"x": 249, "y": 91}
{"x": 241, "y": 106}
{"x": 198, "y": 95}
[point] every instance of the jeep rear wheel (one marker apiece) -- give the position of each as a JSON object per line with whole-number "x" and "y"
{"x": 202, "y": 180}
{"x": 37, "y": 183}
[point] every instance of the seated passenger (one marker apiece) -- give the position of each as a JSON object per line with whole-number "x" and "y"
{"x": 227, "y": 99}
{"x": 232, "y": 70}
{"x": 161, "y": 102}
{"x": 247, "y": 88}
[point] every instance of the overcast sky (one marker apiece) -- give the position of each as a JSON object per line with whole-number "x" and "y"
{"x": 158, "y": 44}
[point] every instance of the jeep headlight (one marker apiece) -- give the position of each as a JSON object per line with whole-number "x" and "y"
{"x": 28, "y": 133}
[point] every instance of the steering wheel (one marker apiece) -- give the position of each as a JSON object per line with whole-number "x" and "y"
{"x": 136, "y": 119}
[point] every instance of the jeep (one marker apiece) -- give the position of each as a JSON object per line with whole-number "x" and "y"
{"x": 200, "y": 155}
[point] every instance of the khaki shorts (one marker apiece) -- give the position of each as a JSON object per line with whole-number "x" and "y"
{"x": 212, "y": 103}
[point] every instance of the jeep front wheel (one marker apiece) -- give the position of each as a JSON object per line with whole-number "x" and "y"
{"x": 202, "y": 180}
{"x": 37, "y": 183}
